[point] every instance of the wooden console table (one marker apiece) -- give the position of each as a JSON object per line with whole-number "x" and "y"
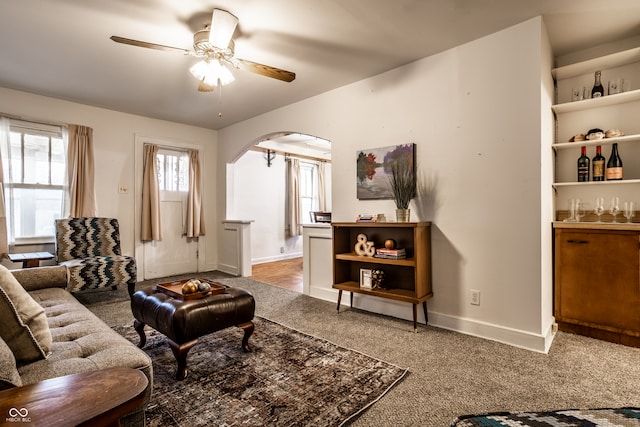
{"x": 96, "y": 398}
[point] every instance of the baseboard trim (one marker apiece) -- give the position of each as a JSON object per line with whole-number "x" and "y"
{"x": 229, "y": 269}
{"x": 280, "y": 257}
{"x": 539, "y": 343}
{"x": 330, "y": 295}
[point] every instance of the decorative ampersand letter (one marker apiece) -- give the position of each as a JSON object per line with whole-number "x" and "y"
{"x": 363, "y": 247}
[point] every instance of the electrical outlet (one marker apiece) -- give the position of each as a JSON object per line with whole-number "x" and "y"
{"x": 281, "y": 249}
{"x": 475, "y": 297}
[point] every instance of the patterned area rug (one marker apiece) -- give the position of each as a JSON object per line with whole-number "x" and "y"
{"x": 617, "y": 417}
{"x": 289, "y": 379}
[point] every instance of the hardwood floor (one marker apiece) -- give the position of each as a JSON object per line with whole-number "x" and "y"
{"x": 285, "y": 274}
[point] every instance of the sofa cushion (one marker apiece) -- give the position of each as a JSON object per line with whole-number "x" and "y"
{"x": 100, "y": 272}
{"x": 81, "y": 341}
{"x": 9, "y": 376}
{"x": 24, "y": 323}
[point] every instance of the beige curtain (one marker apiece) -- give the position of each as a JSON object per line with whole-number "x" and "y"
{"x": 295, "y": 206}
{"x": 151, "y": 229}
{"x": 195, "y": 215}
{"x": 4, "y": 141}
{"x": 322, "y": 187}
{"x": 80, "y": 172}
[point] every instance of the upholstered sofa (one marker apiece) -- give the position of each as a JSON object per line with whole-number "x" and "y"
{"x": 47, "y": 333}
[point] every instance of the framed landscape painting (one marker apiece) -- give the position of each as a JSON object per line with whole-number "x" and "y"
{"x": 373, "y": 169}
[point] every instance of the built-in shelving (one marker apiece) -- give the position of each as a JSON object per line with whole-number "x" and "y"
{"x": 617, "y": 59}
{"x": 588, "y": 299}
{"x": 606, "y": 141}
{"x": 589, "y": 113}
{"x": 582, "y": 184}
{"x": 605, "y": 101}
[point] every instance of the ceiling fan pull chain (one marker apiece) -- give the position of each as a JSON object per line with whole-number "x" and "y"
{"x": 220, "y": 97}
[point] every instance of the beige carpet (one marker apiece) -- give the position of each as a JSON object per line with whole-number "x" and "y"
{"x": 450, "y": 374}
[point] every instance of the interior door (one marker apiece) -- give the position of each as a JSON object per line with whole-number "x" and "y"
{"x": 174, "y": 254}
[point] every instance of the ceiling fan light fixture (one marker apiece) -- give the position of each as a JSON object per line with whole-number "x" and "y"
{"x": 210, "y": 72}
{"x": 223, "y": 25}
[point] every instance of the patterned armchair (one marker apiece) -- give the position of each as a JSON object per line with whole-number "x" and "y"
{"x": 90, "y": 249}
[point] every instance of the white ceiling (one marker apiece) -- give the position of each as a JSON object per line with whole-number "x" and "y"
{"x": 62, "y": 48}
{"x": 305, "y": 146}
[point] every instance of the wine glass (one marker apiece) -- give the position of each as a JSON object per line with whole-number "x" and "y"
{"x": 571, "y": 212}
{"x": 580, "y": 210}
{"x": 599, "y": 208}
{"x": 629, "y": 210}
{"x": 614, "y": 209}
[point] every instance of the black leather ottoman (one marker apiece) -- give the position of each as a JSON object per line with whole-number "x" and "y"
{"x": 184, "y": 321}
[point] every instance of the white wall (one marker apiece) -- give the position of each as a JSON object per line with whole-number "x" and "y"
{"x": 547, "y": 205}
{"x": 114, "y": 151}
{"x": 260, "y": 196}
{"x": 475, "y": 114}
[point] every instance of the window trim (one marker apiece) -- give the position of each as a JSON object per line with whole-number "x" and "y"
{"x": 36, "y": 129}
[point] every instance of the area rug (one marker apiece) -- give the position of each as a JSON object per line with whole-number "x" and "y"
{"x": 289, "y": 379}
{"x": 610, "y": 417}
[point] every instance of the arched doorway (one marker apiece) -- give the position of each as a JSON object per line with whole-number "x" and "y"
{"x": 259, "y": 183}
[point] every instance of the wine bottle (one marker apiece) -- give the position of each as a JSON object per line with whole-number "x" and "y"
{"x": 598, "y": 89}
{"x": 597, "y": 164}
{"x": 614, "y": 164}
{"x": 583, "y": 166}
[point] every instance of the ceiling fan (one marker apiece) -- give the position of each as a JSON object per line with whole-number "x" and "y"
{"x": 215, "y": 46}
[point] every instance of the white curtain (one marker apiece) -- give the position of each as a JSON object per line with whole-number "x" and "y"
{"x": 295, "y": 205}
{"x": 195, "y": 213}
{"x": 81, "y": 173}
{"x": 151, "y": 225}
{"x": 4, "y": 142}
{"x": 322, "y": 187}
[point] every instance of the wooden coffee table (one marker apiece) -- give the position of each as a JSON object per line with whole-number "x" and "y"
{"x": 96, "y": 398}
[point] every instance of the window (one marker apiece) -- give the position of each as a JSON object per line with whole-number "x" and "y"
{"x": 34, "y": 169}
{"x": 173, "y": 170}
{"x": 308, "y": 190}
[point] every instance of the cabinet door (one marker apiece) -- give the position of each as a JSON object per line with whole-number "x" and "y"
{"x": 597, "y": 278}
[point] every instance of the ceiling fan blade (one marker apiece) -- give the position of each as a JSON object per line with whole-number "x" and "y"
{"x": 223, "y": 25}
{"x": 264, "y": 70}
{"x": 148, "y": 45}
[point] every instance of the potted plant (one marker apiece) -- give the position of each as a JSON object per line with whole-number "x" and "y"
{"x": 402, "y": 180}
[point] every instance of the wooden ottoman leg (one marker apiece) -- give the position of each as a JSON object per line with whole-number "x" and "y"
{"x": 180, "y": 352}
{"x": 139, "y": 327}
{"x": 248, "y": 330}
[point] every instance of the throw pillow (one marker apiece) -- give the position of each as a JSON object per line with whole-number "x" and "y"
{"x": 25, "y": 328}
{"x": 9, "y": 376}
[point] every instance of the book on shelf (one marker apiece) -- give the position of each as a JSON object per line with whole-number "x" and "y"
{"x": 371, "y": 218}
{"x": 383, "y": 256}
{"x": 366, "y": 218}
{"x": 399, "y": 251}
{"x": 391, "y": 253}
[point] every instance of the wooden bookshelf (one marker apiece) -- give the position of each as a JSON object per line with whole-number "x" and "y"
{"x": 406, "y": 280}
